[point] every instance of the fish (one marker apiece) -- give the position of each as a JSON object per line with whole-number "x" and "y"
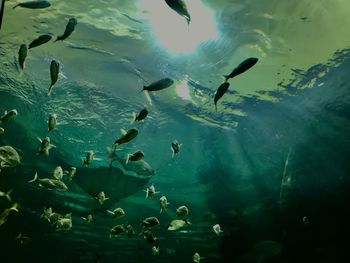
{"x": 23, "y": 240}
{"x": 71, "y": 173}
{"x": 163, "y": 202}
{"x": 220, "y": 92}
{"x": 150, "y": 222}
{"x": 136, "y": 156}
{"x": 89, "y": 219}
{"x": 69, "y": 29}
{"x": 52, "y": 122}
{"x": 45, "y": 146}
{"x": 148, "y": 236}
{"x": 155, "y": 251}
{"x": 180, "y": 7}
{"x": 175, "y": 147}
{"x": 64, "y": 223}
{"x": 33, "y": 4}
{"x": 182, "y": 211}
{"x": 127, "y": 136}
{"x": 130, "y": 231}
{"x": 241, "y": 68}
{"x": 22, "y": 54}
{"x": 158, "y": 85}
{"x": 54, "y": 71}
{"x": 49, "y": 184}
{"x": 8, "y": 115}
{"x": 117, "y": 230}
{"x": 2, "y": 130}
{"x": 141, "y": 167}
{"x": 58, "y": 173}
{"x": 39, "y": 41}
{"x": 197, "y": 258}
{"x": 89, "y": 158}
{"x": 217, "y": 229}
{"x": 4, "y": 215}
{"x": 150, "y": 192}
{"x": 50, "y": 216}
{"x": 101, "y": 197}
{"x": 9, "y": 157}
{"x": 117, "y": 213}
{"x": 305, "y": 220}
{"x": 6, "y": 195}
{"x": 177, "y": 224}
{"x": 140, "y": 116}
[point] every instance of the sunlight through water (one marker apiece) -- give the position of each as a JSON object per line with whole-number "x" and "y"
{"x": 172, "y": 30}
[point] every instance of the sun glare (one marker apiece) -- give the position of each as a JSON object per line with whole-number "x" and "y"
{"x": 172, "y": 30}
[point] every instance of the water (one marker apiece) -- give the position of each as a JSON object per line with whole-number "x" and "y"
{"x": 270, "y": 166}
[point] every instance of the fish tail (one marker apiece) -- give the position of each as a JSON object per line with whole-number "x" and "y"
{"x": 49, "y": 91}
{"x": 134, "y": 118}
{"x": 14, "y": 207}
{"x": 144, "y": 88}
{"x": 7, "y": 195}
{"x": 34, "y": 179}
{"x": 216, "y": 107}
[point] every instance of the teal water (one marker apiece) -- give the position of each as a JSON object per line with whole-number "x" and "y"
{"x": 270, "y": 166}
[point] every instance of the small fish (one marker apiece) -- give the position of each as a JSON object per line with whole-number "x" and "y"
{"x": 305, "y": 220}
{"x": 58, "y": 173}
{"x": 45, "y": 146}
{"x": 179, "y": 6}
{"x": 89, "y": 220}
{"x": 150, "y": 222}
{"x": 178, "y": 224}
{"x": 22, "y": 54}
{"x": 33, "y": 4}
{"x": 2, "y": 130}
{"x": 197, "y": 258}
{"x": 136, "y": 156}
{"x": 141, "y": 116}
{"x": 163, "y": 202}
{"x": 71, "y": 173}
{"x": 101, "y": 197}
{"x": 220, "y": 92}
{"x": 9, "y": 157}
{"x": 49, "y": 184}
{"x": 175, "y": 147}
{"x": 155, "y": 251}
{"x": 182, "y": 211}
{"x": 4, "y": 215}
{"x": 217, "y": 229}
{"x": 40, "y": 41}
{"x": 148, "y": 235}
{"x": 127, "y": 136}
{"x": 54, "y": 71}
{"x": 151, "y": 191}
{"x": 6, "y": 195}
{"x": 130, "y": 231}
{"x": 8, "y": 115}
{"x": 52, "y": 122}
{"x": 117, "y": 230}
{"x": 64, "y": 223}
{"x": 50, "y": 216}
{"x": 23, "y": 240}
{"x": 158, "y": 85}
{"x": 69, "y": 29}
{"x": 89, "y": 158}
{"x": 117, "y": 213}
{"x": 241, "y": 68}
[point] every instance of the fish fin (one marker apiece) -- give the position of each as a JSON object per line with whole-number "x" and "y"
{"x": 15, "y": 6}
{"x": 188, "y": 222}
{"x": 34, "y": 179}
{"x": 40, "y": 140}
{"x": 127, "y": 159}
{"x": 19, "y": 235}
{"x": 226, "y": 77}
{"x": 144, "y": 88}
{"x": 123, "y": 132}
{"x": 161, "y": 210}
{"x": 5, "y": 112}
{"x": 110, "y": 212}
